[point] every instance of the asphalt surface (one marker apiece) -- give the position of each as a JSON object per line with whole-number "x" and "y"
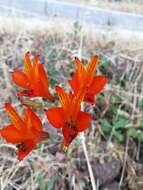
{"x": 72, "y": 11}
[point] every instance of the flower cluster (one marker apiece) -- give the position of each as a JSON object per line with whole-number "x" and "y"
{"x": 27, "y": 131}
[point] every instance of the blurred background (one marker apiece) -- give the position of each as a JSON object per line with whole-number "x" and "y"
{"x": 59, "y": 31}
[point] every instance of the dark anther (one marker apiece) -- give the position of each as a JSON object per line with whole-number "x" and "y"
{"x": 21, "y": 146}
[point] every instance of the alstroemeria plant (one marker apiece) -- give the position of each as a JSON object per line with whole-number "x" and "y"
{"x": 85, "y": 80}
{"x": 69, "y": 117}
{"x": 27, "y": 131}
{"x": 33, "y": 80}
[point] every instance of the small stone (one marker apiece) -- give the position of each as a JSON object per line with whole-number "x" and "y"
{"x": 107, "y": 171}
{"x": 60, "y": 156}
{"x": 112, "y": 186}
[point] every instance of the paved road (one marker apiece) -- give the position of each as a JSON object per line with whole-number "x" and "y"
{"x": 99, "y": 17}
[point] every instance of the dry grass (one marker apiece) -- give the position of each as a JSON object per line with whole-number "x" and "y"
{"x": 48, "y": 162}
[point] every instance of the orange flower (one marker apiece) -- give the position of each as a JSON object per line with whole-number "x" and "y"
{"x": 26, "y": 132}
{"x": 86, "y": 81}
{"x": 33, "y": 79}
{"x": 69, "y": 117}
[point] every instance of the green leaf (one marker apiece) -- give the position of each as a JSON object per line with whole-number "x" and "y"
{"x": 46, "y": 185}
{"x": 76, "y": 27}
{"x": 49, "y": 42}
{"x": 82, "y": 184}
{"x": 50, "y": 183}
{"x": 113, "y": 110}
{"x": 139, "y": 135}
{"x": 120, "y": 122}
{"x": 41, "y": 183}
{"x": 52, "y": 75}
{"x": 105, "y": 125}
{"x": 115, "y": 99}
{"x": 141, "y": 124}
{"x": 118, "y": 136}
{"x": 132, "y": 132}
{"x": 140, "y": 104}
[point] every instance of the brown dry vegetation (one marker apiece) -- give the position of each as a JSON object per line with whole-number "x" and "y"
{"x": 48, "y": 167}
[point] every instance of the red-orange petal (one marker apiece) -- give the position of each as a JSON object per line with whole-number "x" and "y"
{"x": 78, "y": 77}
{"x": 80, "y": 68}
{"x": 89, "y": 98}
{"x": 32, "y": 120}
{"x": 14, "y": 117}
{"x": 91, "y": 67}
{"x": 96, "y": 87}
{"x": 36, "y": 67}
{"x": 43, "y": 136}
{"x": 40, "y": 85}
{"x": 28, "y": 66}
{"x": 11, "y": 134}
{"x": 64, "y": 98}
{"x": 76, "y": 103}
{"x": 74, "y": 83}
{"x": 83, "y": 121}
{"x": 25, "y": 148}
{"x": 40, "y": 90}
{"x": 55, "y": 117}
{"x": 97, "y": 84}
{"x": 23, "y": 94}
{"x": 69, "y": 135}
{"x": 20, "y": 78}
{"x": 44, "y": 82}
